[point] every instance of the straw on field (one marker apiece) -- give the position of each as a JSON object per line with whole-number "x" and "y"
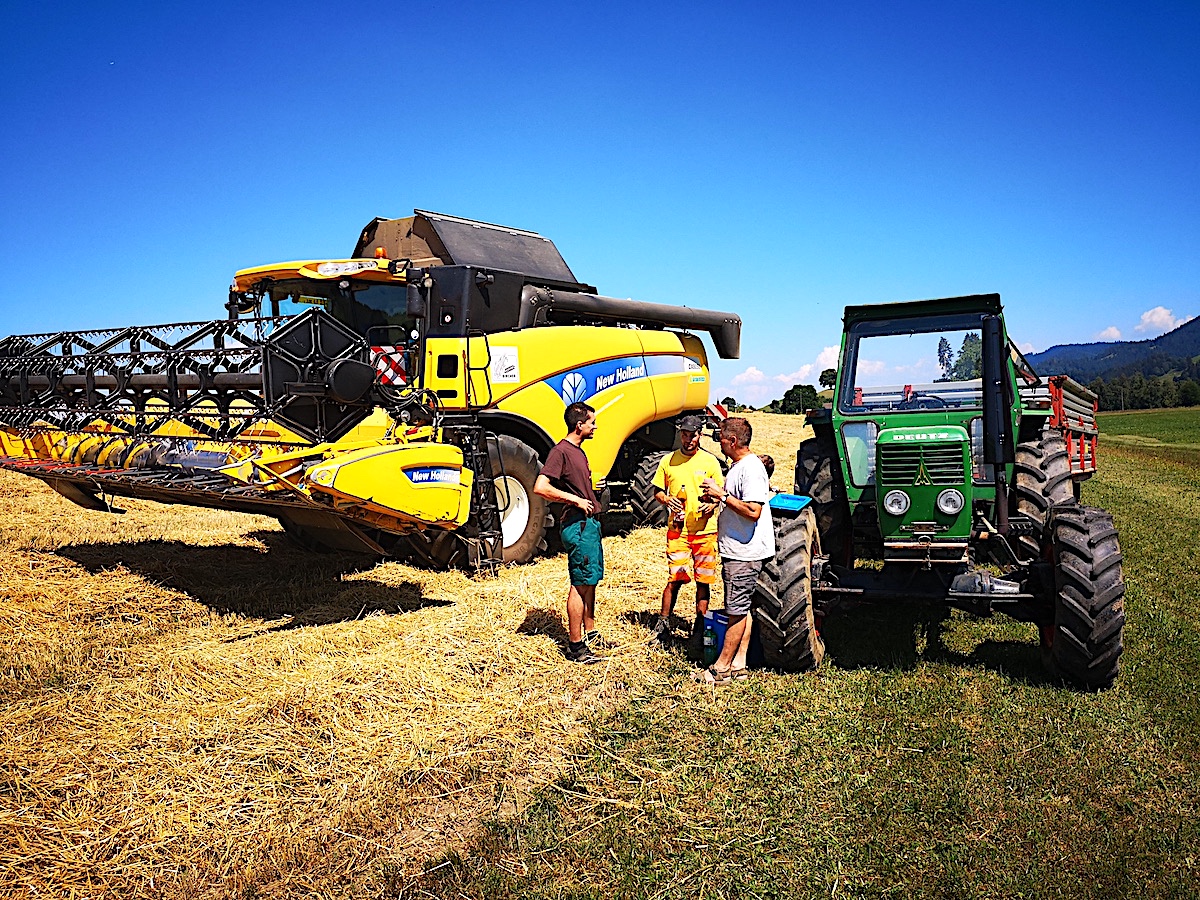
{"x": 192, "y": 705}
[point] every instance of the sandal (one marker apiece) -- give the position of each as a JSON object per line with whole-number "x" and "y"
{"x": 712, "y": 676}
{"x": 739, "y": 674}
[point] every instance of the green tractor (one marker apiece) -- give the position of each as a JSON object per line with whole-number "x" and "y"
{"x": 963, "y": 490}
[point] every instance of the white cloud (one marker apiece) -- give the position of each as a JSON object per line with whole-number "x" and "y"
{"x": 801, "y": 375}
{"x": 920, "y": 367}
{"x": 827, "y": 358}
{"x": 1111, "y": 333}
{"x": 1027, "y": 347}
{"x": 751, "y": 376}
{"x": 1159, "y": 321}
{"x": 871, "y": 366}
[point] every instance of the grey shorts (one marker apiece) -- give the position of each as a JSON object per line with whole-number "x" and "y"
{"x": 740, "y": 576}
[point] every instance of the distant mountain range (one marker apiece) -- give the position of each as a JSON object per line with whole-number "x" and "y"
{"x": 1175, "y": 351}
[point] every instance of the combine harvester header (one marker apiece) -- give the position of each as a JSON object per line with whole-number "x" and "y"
{"x": 365, "y": 420}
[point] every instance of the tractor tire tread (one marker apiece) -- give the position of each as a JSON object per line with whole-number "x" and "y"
{"x": 783, "y": 607}
{"x": 647, "y": 511}
{"x": 1042, "y": 478}
{"x": 818, "y": 475}
{"x": 1089, "y": 602}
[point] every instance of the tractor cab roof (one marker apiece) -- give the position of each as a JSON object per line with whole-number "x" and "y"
{"x": 984, "y": 304}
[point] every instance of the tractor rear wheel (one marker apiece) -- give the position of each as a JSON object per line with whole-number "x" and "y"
{"x": 1042, "y": 478}
{"x": 1085, "y": 643}
{"x": 647, "y": 510}
{"x": 783, "y": 601}
{"x": 818, "y": 475}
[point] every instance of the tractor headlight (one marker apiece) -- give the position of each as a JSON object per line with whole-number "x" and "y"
{"x": 951, "y": 502}
{"x": 896, "y": 502}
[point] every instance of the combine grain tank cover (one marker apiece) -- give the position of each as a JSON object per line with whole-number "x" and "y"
{"x": 433, "y": 239}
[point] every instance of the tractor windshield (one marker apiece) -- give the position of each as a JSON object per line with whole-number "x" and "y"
{"x": 926, "y": 364}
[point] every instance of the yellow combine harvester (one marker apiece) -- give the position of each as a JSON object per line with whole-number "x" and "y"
{"x": 399, "y": 401}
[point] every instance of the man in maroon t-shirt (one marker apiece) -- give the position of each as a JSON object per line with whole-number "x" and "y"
{"x": 567, "y": 478}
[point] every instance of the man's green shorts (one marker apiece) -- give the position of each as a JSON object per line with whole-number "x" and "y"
{"x": 585, "y": 553}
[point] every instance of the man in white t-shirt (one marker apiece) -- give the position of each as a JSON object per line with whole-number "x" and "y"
{"x": 745, "y": 539}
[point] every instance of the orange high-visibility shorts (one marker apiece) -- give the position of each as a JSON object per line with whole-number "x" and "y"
{"x": 701, "y": 549}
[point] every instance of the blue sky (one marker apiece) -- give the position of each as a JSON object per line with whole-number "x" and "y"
{"x": 777, "y": 159}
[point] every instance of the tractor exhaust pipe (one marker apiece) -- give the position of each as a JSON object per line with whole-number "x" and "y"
{"x": 997, "y": 412}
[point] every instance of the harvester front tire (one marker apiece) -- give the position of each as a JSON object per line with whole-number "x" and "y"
{"x": 1042, "y": 478}
{"x": 646, "y": 510}
{"x": 524, "y": 516}
{"x": 1085, "y": 643}
{"x": 784, "y": 614}
{"x": 818, "y": 475}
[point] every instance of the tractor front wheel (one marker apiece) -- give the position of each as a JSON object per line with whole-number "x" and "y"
{"x": 818, "y": 475}
{"x": 784, "y": 615}
{"x": 1085, "y": 642}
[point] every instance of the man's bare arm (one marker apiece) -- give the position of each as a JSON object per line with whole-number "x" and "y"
{"x": 543, "y": 488}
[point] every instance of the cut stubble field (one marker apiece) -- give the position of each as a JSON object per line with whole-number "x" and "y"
{"x": 191, "y": 707}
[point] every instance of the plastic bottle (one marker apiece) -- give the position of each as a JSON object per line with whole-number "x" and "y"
{"x": 709, "y": 643}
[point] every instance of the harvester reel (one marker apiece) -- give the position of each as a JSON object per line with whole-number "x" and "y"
{"x": 316, "y": 377}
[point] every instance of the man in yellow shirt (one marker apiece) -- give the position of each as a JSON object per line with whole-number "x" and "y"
{"x": 692, "y": 526}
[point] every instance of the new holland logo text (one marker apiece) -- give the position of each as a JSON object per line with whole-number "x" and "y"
{"x": 622, "y": 374}
{"x": 434, "y": 475}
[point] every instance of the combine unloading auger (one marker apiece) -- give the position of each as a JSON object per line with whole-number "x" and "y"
{"x": 238, "y": 414}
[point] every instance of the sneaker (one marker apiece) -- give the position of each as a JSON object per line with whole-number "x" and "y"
{"x": 582, "y": 653}
{"x": 661, "y": 632}
{"x": 596, "y": 642}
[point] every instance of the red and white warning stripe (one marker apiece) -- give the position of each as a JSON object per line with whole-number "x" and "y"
{"x": 389, "y": 363}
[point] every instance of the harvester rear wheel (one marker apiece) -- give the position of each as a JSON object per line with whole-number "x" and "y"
{"x": 524, "y": 516}
{"x": 818, "y": 475}
{"x": 646, "y": 510}
{"x": 1085, "y": 643}
{"x": 1042, "y": 478}
{"x": 784, "y": 614}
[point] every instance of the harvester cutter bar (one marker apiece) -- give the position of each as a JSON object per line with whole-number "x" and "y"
{"x": 210, "y": 489}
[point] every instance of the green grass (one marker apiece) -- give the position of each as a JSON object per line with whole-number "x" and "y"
{"x": 1165, "y": 433}
{"x": 928, "y": 757}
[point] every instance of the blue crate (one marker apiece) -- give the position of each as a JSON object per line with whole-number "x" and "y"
{"x": 789, "y": 504}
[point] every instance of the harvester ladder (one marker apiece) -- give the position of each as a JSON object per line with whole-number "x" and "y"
{"x": 484, "y": 538}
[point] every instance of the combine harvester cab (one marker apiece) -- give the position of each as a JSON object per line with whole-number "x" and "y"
{"x": 399, "y": 401}
{"x": 965, "y": 487}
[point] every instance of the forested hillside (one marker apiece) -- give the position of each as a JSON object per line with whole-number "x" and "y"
{"x": 1161, "y": 372}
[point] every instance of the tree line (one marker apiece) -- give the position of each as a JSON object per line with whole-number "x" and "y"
{"x": 1139, "y": 392}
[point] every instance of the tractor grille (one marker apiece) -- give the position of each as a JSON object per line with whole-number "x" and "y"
{"x": 902, "y": 464}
